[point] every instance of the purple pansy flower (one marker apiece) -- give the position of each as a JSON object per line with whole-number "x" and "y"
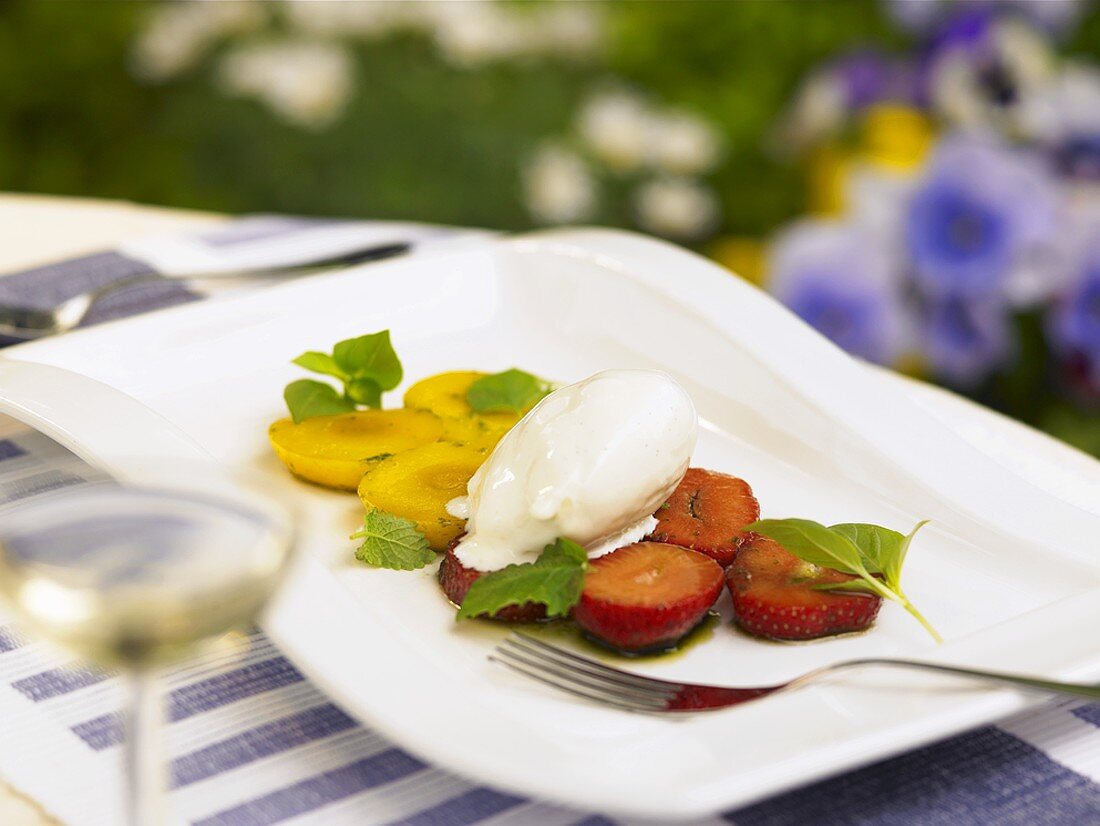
{"x": 979, "y": 209}
{"x": 1065, "y": 118}
{"x": 964, "y": 341}
{"x": 1075, "y": 321}
{"x": 1054, "y": 16}
{"x": 980, "y": 68}
{"x": 828, "y": 96}
{"x": 841, "y": 282}
{"x": 868, "y": 77}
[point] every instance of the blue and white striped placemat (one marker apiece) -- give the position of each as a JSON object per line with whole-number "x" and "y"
{"x": 253, "y": 742}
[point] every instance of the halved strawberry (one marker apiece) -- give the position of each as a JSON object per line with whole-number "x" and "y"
{"x": 456, "y": 579}
{"x": 773, "y": 595}
{"x": 707, "y": 513}
{"x": 647, "y": 596}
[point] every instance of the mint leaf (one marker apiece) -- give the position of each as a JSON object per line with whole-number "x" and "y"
{"x": 320, "y": 363}
{"x": 367, "y": 365}
{"x": 391, "y": 542}
{"x": 306, "y": 398}
{"x": 814, "y": 543}
{"x": 369, "y": 357}
{"x": 563, "y": 552}
{"x": 365, "y": 392}
{"x": 555, "y": 579}
{"x": 511, "y": 390}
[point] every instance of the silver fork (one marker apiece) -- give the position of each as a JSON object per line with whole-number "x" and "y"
{"x": 29, "y": 323}
{"x": 601, "y": 683}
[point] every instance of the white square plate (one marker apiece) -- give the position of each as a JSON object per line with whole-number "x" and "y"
{"x": 1009, "y": 574}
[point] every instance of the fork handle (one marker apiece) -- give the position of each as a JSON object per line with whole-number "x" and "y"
{"x": 1088, "y": 692}
{"x": 78, "y": 309}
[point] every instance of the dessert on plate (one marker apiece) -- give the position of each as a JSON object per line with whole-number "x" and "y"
{"x": 573, "y": 504}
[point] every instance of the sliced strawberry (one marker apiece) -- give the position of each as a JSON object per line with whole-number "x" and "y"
{"x": 773, "y": 595}
{"x": 456, "y": 579}
{"x": 647, "y": 596}
{"x": 707, "y": 513}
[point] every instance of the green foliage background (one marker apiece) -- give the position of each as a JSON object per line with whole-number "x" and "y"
{"x": 423, "y": 139}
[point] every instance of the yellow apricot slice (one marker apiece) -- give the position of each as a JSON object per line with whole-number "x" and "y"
{"x": 480, "y": 429}
{"x": 335, "y": 451}
{"x": 444, "y": 394}
{"x": 417, "y": 484}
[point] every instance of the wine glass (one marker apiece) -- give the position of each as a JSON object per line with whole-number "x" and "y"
{"x": 135, "y": 575}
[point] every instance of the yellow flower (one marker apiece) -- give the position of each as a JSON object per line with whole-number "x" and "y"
{"x": 746, "y": 257}
{"x": 895, "y": 136}
{"x": 827, "y": 179}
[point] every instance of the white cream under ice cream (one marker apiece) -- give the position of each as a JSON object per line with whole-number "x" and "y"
{"x": 591, "y": 462}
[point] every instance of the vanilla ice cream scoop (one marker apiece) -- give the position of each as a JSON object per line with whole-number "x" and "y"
{"x": 591, "y": 462}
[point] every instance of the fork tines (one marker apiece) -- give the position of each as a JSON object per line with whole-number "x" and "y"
{"x": 584, "y": 677}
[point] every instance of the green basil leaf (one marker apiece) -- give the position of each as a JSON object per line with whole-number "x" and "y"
{"x": 555, "y": 580}
{"x": 392, "y": 542}
{"x": 511, "y": 390}
{"x": 877, "y": 545}
{"x": 903, "y": 551}
{"x": 307, "y": 398}
{"x": 854, "y": 548}
{"x": 812, "y": 542}
{"x": 320, "y": 363}
{"x": 365, "y": 392}
{"x": 882, "y": 549}
{"x": 858, "y": 585}
{"x": 370, "y": 357}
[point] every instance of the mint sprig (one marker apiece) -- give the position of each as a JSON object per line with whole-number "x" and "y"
{"x": 366, "y": 366}
{"x": 555, "y": 579}
{"x": 307, "y": 398}
{"x": 512, "y": 390}
{"x": 392, "y": 542}
{"x": 858, "y": 549}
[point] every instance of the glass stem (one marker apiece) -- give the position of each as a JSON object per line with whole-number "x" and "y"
{"x": 144, "y": 759}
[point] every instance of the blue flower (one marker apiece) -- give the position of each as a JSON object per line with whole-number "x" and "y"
{"x": 1075, "y": 321}
{"x": 838, "y": 280}
{"x": 979, "y": 209}
{"x": 867, "y": 77}
{"x": 965, "y": 341}
{"x": 1065, "y": 118}
{"x": 1057, "y": 17}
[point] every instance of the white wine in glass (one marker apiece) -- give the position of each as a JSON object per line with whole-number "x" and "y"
{"x": 134, "y": 577}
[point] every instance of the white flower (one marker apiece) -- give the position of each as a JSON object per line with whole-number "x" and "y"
{"x": 571, "y": 29}
{"x": 1067, "y": 106}
{"x": 558, "y": 186}
{"x": 477, "y": 31}
{"x": 819, "y": 108}
{"x": 616, "y": 126}
{"x": 176, "y": 35}
{"x": 676, "y": 207}
{"x": 326, "y": 17}
{"x": 305, "y": 83}
{"x": 472, "y": 33}
{"x": 682, "y": 144}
